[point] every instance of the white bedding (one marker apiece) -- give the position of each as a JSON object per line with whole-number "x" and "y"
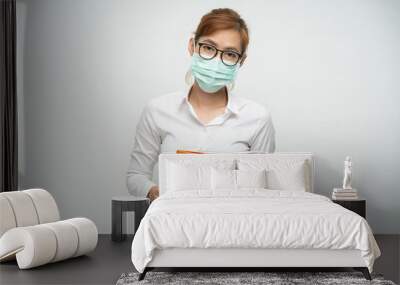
{"x": 251, "y": 218}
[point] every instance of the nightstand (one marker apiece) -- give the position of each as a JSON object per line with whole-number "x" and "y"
{"x": 358, "y": 206}
{"x": 122, "y": 204}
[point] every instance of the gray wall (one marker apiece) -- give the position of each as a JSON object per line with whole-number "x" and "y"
{"x": 328, "y": 70}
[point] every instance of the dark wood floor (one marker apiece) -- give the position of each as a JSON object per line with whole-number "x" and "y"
{"x": 110, "y": 260}
{"x": 102, "y": 266}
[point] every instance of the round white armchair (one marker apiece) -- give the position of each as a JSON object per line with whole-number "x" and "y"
{"x": 32, "y": 233}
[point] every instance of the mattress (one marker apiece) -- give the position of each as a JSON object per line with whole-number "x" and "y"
{"x": 253, "y": 219}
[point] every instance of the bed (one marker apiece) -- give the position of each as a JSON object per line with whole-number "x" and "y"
{"x": 246, "y": 210}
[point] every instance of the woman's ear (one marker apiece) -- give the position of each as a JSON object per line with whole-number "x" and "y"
{"x": 190, "y": 47}
{"x": 243, "y": 59}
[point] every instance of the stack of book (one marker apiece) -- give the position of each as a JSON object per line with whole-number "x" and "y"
{"x": 344, "y": 194}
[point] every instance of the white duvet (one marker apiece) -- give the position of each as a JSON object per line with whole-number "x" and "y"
{"x": 252, "y": 218}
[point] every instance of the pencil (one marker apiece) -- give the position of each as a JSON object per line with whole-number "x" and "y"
{"x": 187, "y": 151}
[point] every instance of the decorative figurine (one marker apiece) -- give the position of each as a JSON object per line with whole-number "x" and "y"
{"x": 347, "y": 173}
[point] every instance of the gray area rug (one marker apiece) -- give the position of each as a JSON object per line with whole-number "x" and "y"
{"x": 228, "y": 278}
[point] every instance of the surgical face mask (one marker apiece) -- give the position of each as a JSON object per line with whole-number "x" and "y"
{"x": 211, "y": 75}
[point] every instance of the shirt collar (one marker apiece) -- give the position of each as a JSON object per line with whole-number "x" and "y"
{"x": 233, "y": 104}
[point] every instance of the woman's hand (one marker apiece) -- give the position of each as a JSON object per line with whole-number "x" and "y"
{"x": 153, "y": 194}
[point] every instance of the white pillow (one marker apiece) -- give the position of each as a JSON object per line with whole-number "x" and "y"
{"x": 251, "y": 178}
{"x": 181, "y": 177}
{"x": 287, "y": 177}
{"x": 282, "y": 174}
{"x": 223, "y": 178}
{"x": 230, "y": 179}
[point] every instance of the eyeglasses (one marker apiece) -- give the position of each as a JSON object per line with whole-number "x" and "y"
{"x": 228, "y": 57}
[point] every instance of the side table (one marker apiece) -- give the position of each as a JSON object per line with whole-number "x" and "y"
{"x": 358, "y": 206}
{"x": 122, "y": 204}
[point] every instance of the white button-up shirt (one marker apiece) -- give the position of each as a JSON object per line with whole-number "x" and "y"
{"x": 169, "y": 122}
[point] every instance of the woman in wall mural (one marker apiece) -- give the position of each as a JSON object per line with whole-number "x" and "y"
{"x": 207, "y": 116}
